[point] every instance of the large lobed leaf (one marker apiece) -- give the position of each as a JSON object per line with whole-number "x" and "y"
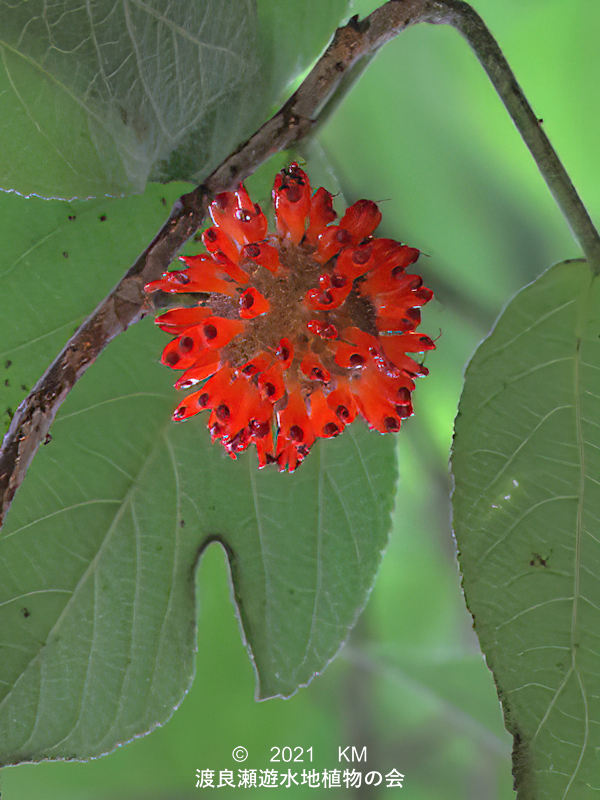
{"x": 99, "y": 97}
{"x": 526, "y": 463}
{"x": 98, "y": 556}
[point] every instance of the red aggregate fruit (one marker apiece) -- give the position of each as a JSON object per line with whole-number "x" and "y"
{"x": 297, "y": 332}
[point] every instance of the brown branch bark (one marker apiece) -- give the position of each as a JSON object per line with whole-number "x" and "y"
{"x": 357, "y": 40}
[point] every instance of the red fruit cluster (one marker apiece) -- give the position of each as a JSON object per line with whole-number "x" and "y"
{"x": 295, "y": 333}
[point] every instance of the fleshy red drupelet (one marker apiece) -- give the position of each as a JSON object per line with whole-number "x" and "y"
{"x": 299, "y": 331}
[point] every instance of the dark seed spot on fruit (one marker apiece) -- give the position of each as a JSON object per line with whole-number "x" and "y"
{"x": 252, "y": 250}
{"x": 392, "y": 424}
{"x": 203, "y": 399}
{"x": 210, "y": 332}
{"x": 343, "y": 236}
{"x": 223, "y": 412}
{"x": 269, "y": 389}
{"x": 186, "y": 344}
{"x": 330, "y": 429}
{"x": 342, "y": 412}
{"x": 179, "y": 412}
{"x": 172, "y": 358}
{"x": 296, "y": 433}
{"x": 337, "y": 281}
{"x": 356, "y": 360}
{"x": 247, "y": 300}
{"x": 283, "y": 353}
{"x": 293, "y": 193}
{"x": 210, "y": 234}
{"x": 403, "y": 396}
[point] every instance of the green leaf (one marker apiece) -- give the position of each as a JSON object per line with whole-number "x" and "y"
{"x": 98, "y": 554}
{"x": 292, "y": 35}
{"x": 57, "y": 262}
{"x": 98, "y": 99}
{"x": 526, "y": 463}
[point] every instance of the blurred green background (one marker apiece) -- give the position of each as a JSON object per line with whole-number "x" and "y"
{"x": 424, "y": 134}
